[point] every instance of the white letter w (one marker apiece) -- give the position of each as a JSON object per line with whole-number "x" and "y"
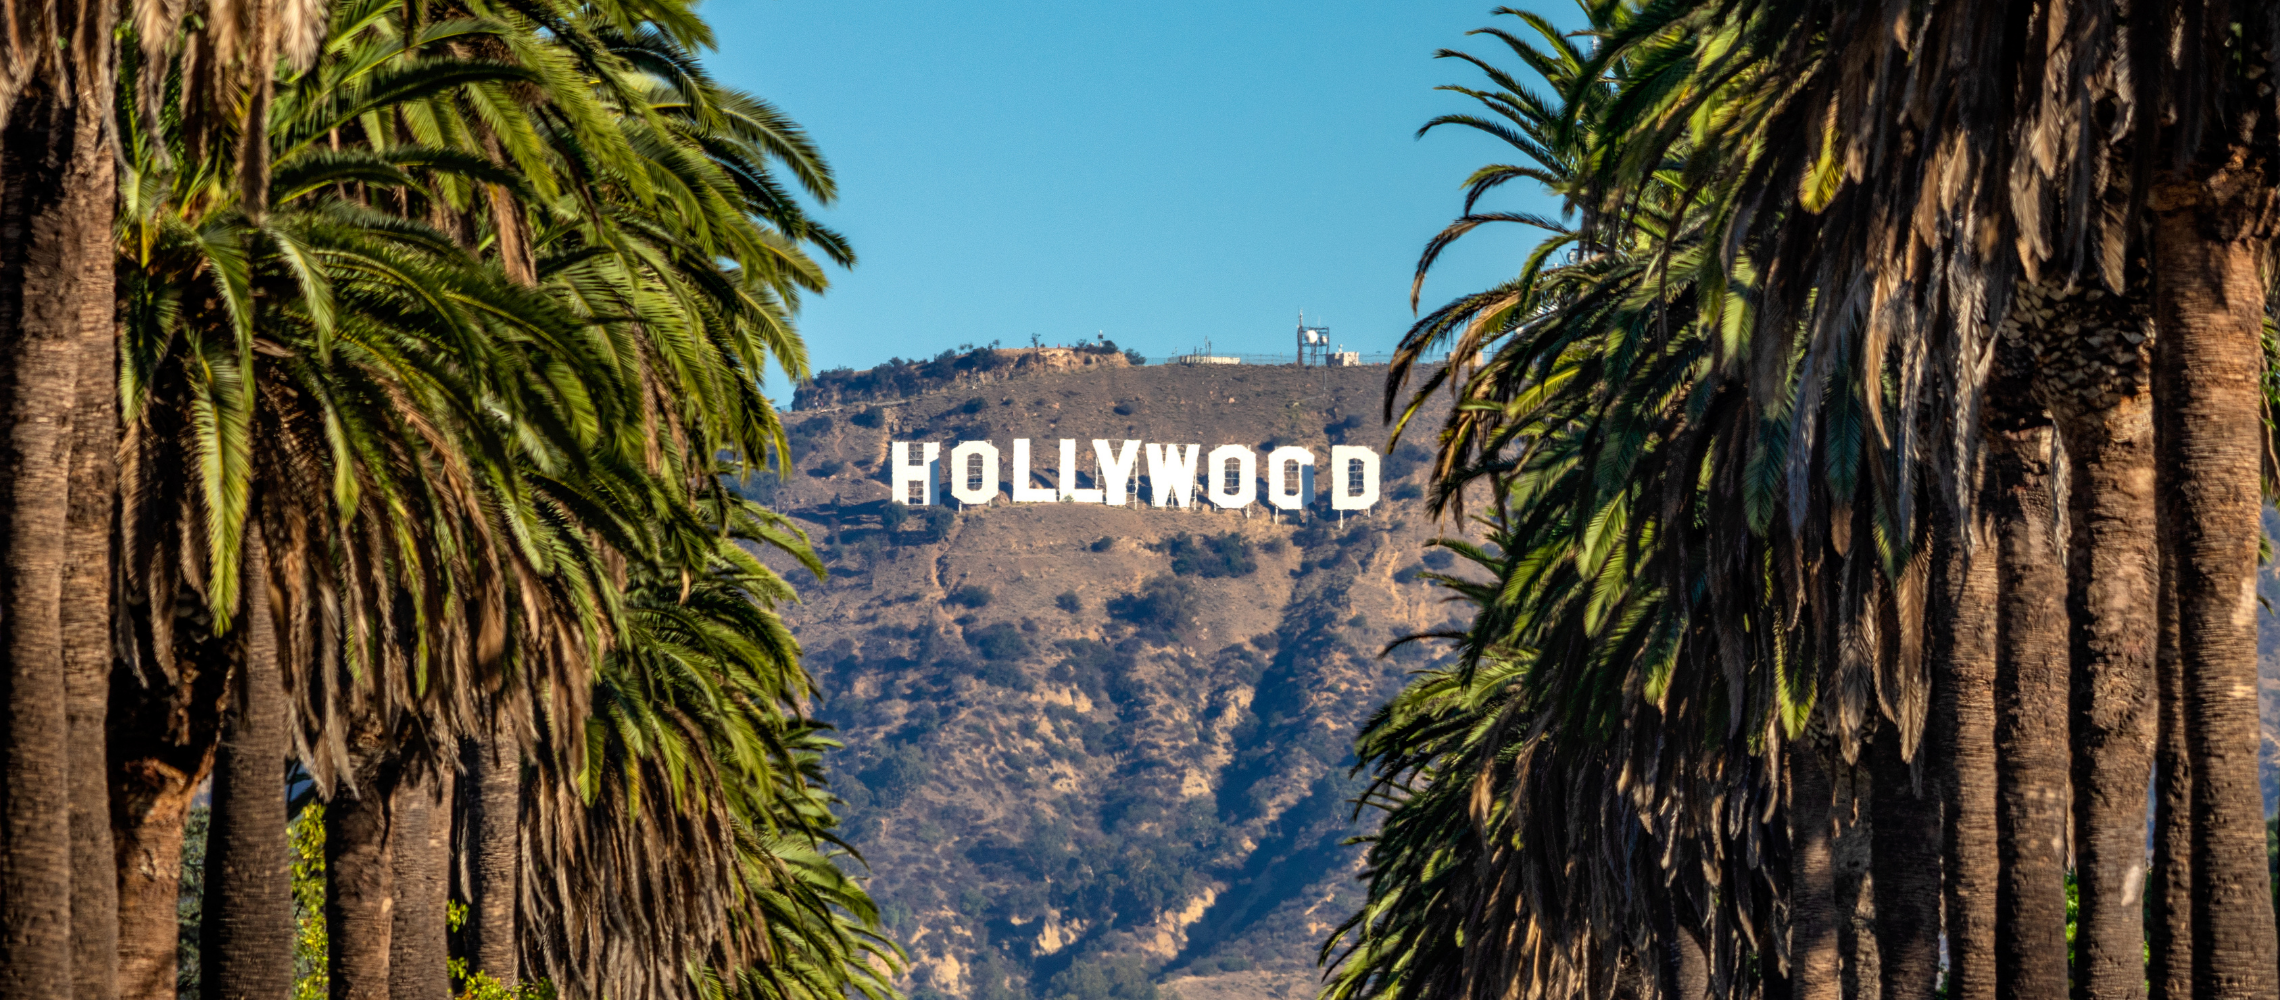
{"x": 1171, "y": 475}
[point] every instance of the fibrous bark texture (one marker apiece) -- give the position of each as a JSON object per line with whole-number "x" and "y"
{"x": 2169, "y": 887}
{"x": 490, "y": 799}
{"x": 85, "y": 619}
{"x": 1815, "y": 960}
{"x": 1904, "y": 827}
{"x": 149, "y": 843}
{"x": 1683, "y": 968}
{"x": 162, "y": 747}
{"x": 1962, "y": 638}
{"x": 2208, "y": 256}
{"x": 360, "y": 897}
{"x": 246, "y": 948}
{"x": 52, "y": 212}
{"x": 2113, "y": 592}
{"x": 2030, "y": 721}
{"x": 419, "y": 837}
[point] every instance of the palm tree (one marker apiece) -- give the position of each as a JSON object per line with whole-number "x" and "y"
{"x": 87, "y": 611}
{"x": 338, "y": 417}
{"x": 697, "y": 836}
{"x": 56, "y": 308}
{"x": 2054, "y": 195}
{"x": 347, "y": 405}
{"x": 2030, "y": 705}
{"x": 701, "y": 323}
{"x": 1905, "y": 828}
{"x": 1963, "y": 748}
{"x": 1614, "y": 423}
{"x": 250, "y": 912}
{"x": 1851, "y": 401}
{"x": 2169, "y": 882}
{"x": 489, "y": 842}
{"x": 2209, "y": 188}
{"x": 57, "y": 206}
{"x": 419, "y": 834}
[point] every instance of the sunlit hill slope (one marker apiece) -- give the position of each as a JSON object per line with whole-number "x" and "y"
{"x": 1094, "y": 749}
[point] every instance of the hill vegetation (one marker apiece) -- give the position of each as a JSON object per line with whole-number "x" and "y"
{"x": 896, "y": 378}
{"x": 1106, "y": 748}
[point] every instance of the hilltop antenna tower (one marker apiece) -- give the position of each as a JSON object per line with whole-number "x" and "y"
{"x": 1313, "y": 343}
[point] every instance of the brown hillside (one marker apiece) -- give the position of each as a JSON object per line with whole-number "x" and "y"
{"x": 1068, "y": 759}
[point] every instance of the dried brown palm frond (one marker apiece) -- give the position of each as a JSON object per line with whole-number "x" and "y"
{"x": 693, "y": 851}
{"x": 1899, "y": 169}
{"x": 422, "y": 569}
{"x": 65, "y": 45}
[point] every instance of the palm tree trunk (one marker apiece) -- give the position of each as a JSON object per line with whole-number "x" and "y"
{"x": 1963, "y": 741}
{"x": 419, "y": 838}
{"x": 246, "y": 948}
{"x": 1690, "y": 965}
{"x": 149, "y": 841}
{"x": 162, "y": 747}
{"x": 2030, "y": 722}
{"x": 2113, "y": 590}
{"x": 1904, "y": 830}
{"x": 53, "y": 214}
{"x": 2169, "y": 888}
{"x": 492, "y": 803}
{"x": 1815, "y": 960}
{"x": 360, "y": 881}
{"x": 1684, "y": 969}
{"x": 85, "y": 619}
{"x": 2208, "y": 256}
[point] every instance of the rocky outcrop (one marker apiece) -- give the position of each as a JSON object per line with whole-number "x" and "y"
{"x": 1085, "y": 740}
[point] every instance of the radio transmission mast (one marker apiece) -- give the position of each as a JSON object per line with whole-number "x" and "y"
{"x": 1313, "y": 343}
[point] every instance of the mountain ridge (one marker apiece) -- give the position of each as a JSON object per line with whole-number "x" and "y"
{"x": 1093, "y": 749}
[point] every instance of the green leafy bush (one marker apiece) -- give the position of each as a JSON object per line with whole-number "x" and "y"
{"x": 1068, "y": 601}
{"x": 1123, "y": 978}
{"x": 895, "y": 775}
{"x": 972, "y": 595}
{"x": 311, "y": 981}
{"x": 1164, "y": 604}
{"x": 999, "y": 641}
{"x": 1225, "y": 555}
{"x": 481, "y": 986}
{"x": 933, "y": 525}
{"x": 190, "y": 900}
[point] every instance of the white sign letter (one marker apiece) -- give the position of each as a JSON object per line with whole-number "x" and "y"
{"x": 1283, "y": 492}
{"x": 973, "y": 472}
{"x": 1353, "y": 477}
{"x": 1171, "y": 475}
{"x": 1116, "y": 469}
{"x": 1022, "y": 491}
{"x": 1235, "y": 486}
{"x": 1069, "y": 490}
{"x": 905, "y": 473}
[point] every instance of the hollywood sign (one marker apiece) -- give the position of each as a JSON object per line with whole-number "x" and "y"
{"x": 1229, "y": 474}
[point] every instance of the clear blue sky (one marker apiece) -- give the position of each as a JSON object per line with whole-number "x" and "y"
{"x": 1166, "y": 172}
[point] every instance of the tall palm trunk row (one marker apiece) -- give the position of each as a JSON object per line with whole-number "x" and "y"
{"x": 370, "y": 371}
{"x": 1860, "y": 464}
